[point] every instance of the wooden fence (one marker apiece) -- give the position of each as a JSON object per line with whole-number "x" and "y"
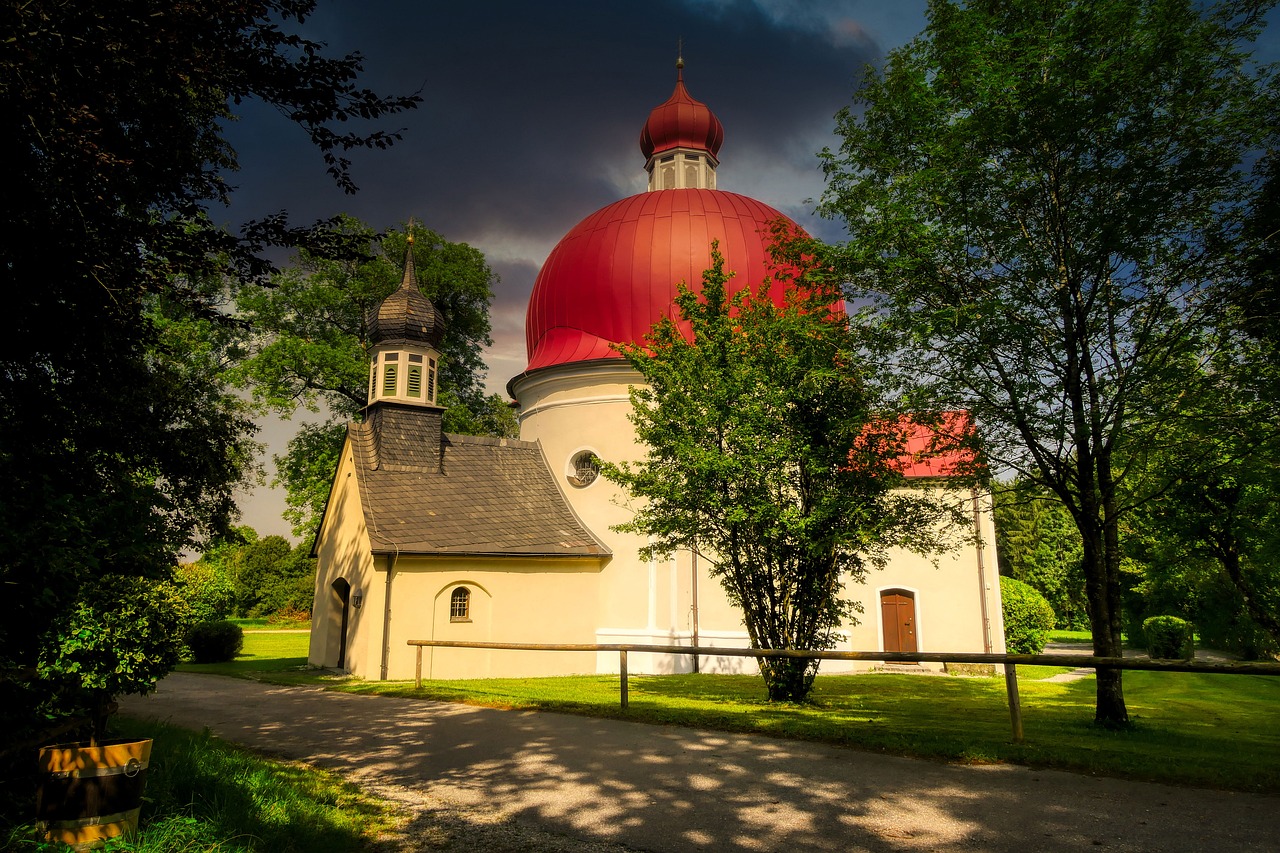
{"x": 1010, "y": 662}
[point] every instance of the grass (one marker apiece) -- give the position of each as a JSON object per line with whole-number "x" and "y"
{"x": 267, "y": 625}
{"x": 1071, "y": 636}
{"x": 1187, "y": 728}
{"x": 274, "y": 653}
{"x": 205, "y": 794}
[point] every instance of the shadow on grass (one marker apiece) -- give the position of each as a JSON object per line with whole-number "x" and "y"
{"x": 204, "y": 791}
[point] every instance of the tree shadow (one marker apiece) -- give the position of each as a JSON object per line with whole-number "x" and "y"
{"x": 670, "y": 788}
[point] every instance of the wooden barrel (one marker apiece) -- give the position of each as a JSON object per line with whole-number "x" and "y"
{"x": 91, "y": 793}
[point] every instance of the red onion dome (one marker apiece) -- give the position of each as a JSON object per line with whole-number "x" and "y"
{"x": 681, "y": 122}
{"x": 615, "y": 274}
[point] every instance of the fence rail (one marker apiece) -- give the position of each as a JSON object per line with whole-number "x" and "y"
{"x": 1010, "y": 662}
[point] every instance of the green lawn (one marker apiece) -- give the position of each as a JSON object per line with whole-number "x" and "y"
{"x": 274, "y": 653}
{"x": 1199, "y": 729}
{"x": 267, "y": 625}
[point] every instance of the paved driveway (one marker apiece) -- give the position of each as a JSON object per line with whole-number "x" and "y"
{"x": 616, "y": 785}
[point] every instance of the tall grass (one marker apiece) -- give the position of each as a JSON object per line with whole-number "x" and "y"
{"x": 203, "y": 794}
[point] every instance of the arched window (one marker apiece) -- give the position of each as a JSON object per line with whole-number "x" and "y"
{"x": 460, "y": 605}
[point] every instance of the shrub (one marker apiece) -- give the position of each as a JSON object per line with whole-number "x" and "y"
{"x": 215, "y": 642}
{"x": 119, "y": 636}
{"x": 1028, "y": 617}
{"x": 207, "y": 589}
{"x": 1169, "y": 637}
{"x": 290, "y": 615}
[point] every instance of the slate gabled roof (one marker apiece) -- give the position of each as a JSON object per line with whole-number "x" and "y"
{"x": 488, "y": 496}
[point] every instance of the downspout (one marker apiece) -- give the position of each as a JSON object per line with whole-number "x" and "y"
{"x": 386, "y": 614}
{"x": 695, "y": 605}
{"x": 982, "y": 574}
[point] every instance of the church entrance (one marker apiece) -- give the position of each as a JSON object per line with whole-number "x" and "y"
{"x": 898, "y": 614}
{"x": 342, "y": 600}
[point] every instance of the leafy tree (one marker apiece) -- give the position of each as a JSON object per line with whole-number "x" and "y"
{"x": 117, "y": 448}
{"x": 767, "y": 449}
{"x": 1207, "y": 545}
{"x": 1038, "y": 544}
{"x": 312, "y": 349}
{"x": 1044, "y": 199}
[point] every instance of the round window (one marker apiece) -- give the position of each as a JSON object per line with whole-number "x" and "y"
{"x": 584, "y": 467}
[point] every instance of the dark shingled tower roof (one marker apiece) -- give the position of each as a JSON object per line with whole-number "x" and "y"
{"x": 406, "y": 316}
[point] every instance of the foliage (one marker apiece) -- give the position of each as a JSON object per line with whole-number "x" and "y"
{"x": 1169, "y": 637}
{"x": 1038, "y": 543}
{"x": 120, "y": 635}
{"x": 207, "y": 590}
{"x": 1207, "y": 545}
{"x": 266, "y": 574}
{"x": 1045, "y": 200}
{"x": 117, "y": 446}
{"x": 1028, "y": 618}
{"x": 214, "y": 642}
{"x": 312, "y": 350}
{"x": 766, "y": 448}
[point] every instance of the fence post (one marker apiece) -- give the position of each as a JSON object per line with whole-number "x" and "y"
{"x": 417, "y": 669}
{"x": 622, "y": 670}
{"x": 1015, "y": 703}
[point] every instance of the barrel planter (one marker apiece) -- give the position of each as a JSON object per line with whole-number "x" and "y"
{"x": 89, "y": 793}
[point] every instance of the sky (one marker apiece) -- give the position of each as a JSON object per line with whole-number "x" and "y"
{"x": 530, "y": 121}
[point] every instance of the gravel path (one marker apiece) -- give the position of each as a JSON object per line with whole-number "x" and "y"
{"x": 483, "y": 779}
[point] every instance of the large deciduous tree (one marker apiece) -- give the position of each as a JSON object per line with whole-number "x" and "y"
{"x": 1044, "y": 199}
{"x": 311, "y": 349}
{"x": 767, "y": 449}
{"x": 118, "y": 447}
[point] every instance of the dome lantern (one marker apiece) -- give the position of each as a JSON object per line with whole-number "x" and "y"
{"x": 405, "y": 331}
{"x": 681, "y": 141}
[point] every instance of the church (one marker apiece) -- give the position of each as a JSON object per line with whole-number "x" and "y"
{"x": 432, "y": 536}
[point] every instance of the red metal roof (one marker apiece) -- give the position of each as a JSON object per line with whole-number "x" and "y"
{"x": 615, "y": 274}
{"x": 930, "y": 451}
{"x": 681, "y": 122}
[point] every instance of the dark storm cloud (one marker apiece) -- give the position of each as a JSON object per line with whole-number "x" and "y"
{"x": 532, "y": 110}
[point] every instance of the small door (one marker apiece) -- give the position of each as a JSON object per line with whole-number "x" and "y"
{"x": 898, "y": 613}
{"x": 342, "y": 599}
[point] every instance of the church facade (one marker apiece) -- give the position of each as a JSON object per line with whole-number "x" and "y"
{"x": 430, "y": 536}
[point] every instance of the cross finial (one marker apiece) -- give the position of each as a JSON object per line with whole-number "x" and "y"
{"x": 680, "y": 58}
{"x": 410, "y": 230}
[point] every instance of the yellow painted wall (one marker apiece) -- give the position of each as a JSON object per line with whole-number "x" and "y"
{"x": 513, "y": 600}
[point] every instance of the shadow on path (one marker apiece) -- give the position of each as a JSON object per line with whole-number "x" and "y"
{"x": 668, "y": 789}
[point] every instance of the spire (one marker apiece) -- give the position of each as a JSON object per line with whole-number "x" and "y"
{"x": 410, "y": 274}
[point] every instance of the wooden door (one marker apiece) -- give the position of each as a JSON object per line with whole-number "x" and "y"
{"x": 898, "y": 613}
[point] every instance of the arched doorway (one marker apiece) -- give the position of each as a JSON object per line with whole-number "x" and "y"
{"x": 898, "y": 615}
{"x": 342, "y": 603}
